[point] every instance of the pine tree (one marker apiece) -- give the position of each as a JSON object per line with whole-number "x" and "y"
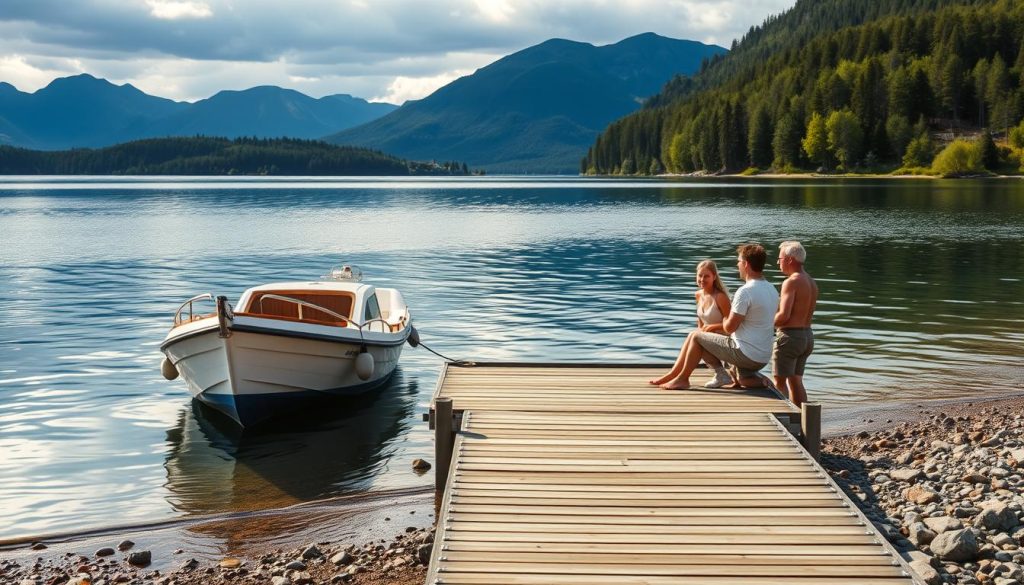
{"x": 759, "y": 139}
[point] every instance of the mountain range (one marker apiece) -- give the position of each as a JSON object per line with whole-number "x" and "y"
{"x": 534, "y": 111}
{"x": 83, "y": 111}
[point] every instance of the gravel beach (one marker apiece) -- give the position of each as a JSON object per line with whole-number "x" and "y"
{"x": 942, "y": 481}
{"x": 944, "y": 484}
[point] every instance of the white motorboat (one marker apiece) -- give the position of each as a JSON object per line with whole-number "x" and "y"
{"x": 286, "y": 342}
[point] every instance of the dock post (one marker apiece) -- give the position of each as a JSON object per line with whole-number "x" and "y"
{"x": 810, "y": 423}
{"x": 444, "y": 439}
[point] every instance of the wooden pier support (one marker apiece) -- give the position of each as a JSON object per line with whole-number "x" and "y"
{"x": 444, "y": 441}
{"x": 810, "y": 423}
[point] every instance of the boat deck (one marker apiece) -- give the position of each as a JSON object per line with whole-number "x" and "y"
{"x": 569, "y": 474}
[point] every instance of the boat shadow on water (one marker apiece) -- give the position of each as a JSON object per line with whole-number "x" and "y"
{"x": 336, "y": 447}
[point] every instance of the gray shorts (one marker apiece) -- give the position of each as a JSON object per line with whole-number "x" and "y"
{"x": 724, "y": 348}
{"x": 792, "y": 348}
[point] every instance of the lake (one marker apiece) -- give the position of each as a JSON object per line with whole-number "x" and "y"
{"x": 921, "y": 299}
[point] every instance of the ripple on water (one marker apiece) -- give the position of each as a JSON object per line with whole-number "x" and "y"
{"x": 915, "y": 305}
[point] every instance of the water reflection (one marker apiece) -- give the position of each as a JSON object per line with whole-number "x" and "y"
{"x": 215, "y": 467}
{"x": 922, "y": 297}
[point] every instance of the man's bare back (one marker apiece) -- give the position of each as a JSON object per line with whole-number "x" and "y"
{"x": 800, "y": 293}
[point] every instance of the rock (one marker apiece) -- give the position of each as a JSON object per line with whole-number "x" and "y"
{"x": 230, "y": 563}
{"x": 1002, "y": 539}
{"x": 125, "y": 545}
{"x": 942, "y": 524}
{"x": 312, "y": 552}
{"x": 919, "y": 534}
{"x": 342, "y": 558}
{"x": 188, "y": 565}
{"x": 38, "y": 546}
{"x": 280, "y": 581}
{"x": 140, "y": 558}
{"x": 296, "y": 566}
{"x": 423, "y": 553}
{"x": 956, "y": 545}
{"x": 420, "y": 465}
{"x": 1018, "y": 456}
{"x": 974, "y": 477}
{"x": 921, "y": 495}
{"x": 997, "y": 516}
{"x": 925, "y": 571}
{"x": 907, "y": 474}
{"x": 105, "y": 552}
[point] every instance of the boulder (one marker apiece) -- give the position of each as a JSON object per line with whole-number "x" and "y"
{"x": 956, "y": 546}
{"x": 943, "y": 524}
{"x": 996, "y": 516}
{"x": 140, "y": 558}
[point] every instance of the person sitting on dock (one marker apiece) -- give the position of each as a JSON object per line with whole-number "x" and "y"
{"x": 712, "y": 299}
{"x": 794, "y": 341}
{"x": 746, "y": 341}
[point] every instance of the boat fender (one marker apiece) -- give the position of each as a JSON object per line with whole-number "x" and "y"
{"x": 414, "y": 337}
{"x": 168, "y": 370}
{"x": 364, "y": 364}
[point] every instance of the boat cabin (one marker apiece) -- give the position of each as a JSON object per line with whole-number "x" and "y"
{"x": 326, "y": 303}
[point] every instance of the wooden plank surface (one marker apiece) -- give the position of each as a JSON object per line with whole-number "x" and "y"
{"x": 589, "y": 475}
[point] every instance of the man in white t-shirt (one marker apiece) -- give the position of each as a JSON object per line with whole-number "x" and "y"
{"x": 750, "y": 326}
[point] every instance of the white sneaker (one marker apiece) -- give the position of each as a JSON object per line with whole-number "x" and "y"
{"x": 721, "y": 378}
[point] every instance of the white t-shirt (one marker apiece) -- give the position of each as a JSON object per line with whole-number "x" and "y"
{"x": 757, "y": 301}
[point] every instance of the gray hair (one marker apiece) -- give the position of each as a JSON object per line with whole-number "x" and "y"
{"x": 794, "y": 250}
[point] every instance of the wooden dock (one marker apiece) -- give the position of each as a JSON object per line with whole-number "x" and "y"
{"x": 576, "y": 474}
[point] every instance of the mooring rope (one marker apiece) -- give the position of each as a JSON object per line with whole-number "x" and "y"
{"x": 454, "y": 362}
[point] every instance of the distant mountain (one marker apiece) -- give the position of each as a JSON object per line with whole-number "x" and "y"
{"x": 79, "y": 111}
{"x": 535, "y": 111}
{"x": 83, "y": 111}
{"x": 268, "y": 111}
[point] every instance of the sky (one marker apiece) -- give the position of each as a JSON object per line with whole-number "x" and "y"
{"x": 382, "y": 50}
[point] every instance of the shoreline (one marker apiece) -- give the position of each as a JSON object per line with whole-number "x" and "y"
{"x": 860, "y": 444}
{"x": 814, "y": 175}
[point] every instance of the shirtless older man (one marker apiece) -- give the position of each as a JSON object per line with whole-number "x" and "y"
{"x": 793, "y": 338}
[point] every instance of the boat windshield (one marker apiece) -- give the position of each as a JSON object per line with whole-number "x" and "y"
{"x": 316, "y": 307}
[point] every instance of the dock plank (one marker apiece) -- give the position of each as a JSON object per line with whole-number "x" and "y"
{"x": 582, "y": 474}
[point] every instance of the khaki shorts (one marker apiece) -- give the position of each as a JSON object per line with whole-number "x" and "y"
{"x": 724, "y": 348}
{"x": 792, "y": 348}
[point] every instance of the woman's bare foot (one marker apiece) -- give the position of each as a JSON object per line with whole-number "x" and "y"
{"x": 661, "y": 380}
{"x": 676, "y": 384}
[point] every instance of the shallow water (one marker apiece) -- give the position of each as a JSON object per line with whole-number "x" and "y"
{"x": 922, "y": 298}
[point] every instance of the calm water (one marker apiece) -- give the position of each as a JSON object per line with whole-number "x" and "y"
{"x": 921, "y": 286}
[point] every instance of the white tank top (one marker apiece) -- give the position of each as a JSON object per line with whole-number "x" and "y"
{"x": 712, "y": 315}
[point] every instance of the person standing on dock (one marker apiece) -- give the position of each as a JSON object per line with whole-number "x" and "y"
{"x": 794, "y": 340}
{"x": 747, "y": 342}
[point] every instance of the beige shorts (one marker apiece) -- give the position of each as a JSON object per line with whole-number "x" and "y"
{"x": 792, "y": 348}
{"x": 724, "y": 348}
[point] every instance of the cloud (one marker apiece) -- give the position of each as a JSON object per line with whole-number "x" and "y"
{"x": 393, "y": 49}
{"x": 169, "y": 10}
{"x": 412, "y": 88}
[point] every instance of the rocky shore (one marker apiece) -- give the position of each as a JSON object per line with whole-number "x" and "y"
{"x": 402, "y": 561}
{"x": 945, "y": 487}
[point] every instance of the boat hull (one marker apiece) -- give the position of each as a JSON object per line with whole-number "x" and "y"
{"x": 257, "y": 372}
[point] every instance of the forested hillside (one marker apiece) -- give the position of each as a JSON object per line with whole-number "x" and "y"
{"x": 839, "y": 84}
{"x": 216, "y": 156}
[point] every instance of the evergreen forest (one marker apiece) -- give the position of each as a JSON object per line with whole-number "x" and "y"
{"x": 909, "y": 86}
{"x": 201, "y": 155}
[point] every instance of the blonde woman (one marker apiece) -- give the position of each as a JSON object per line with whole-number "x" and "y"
{"x": 713, "y": 306}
